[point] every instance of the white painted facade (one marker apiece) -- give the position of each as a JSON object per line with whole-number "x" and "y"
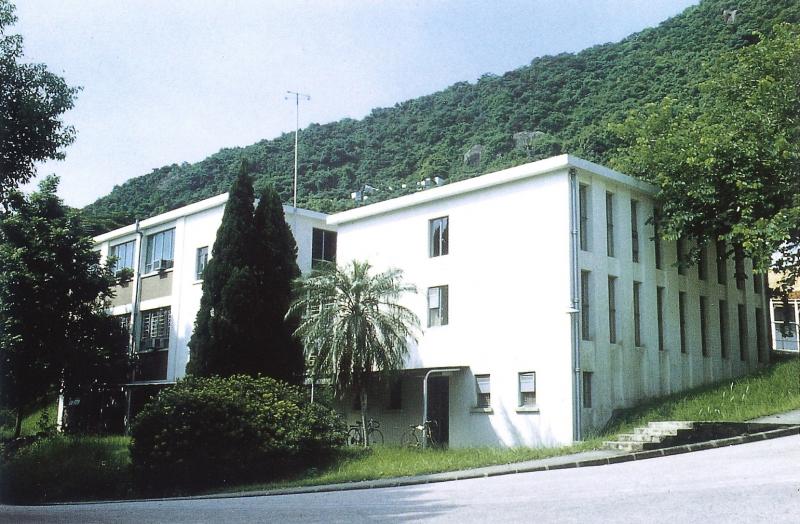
{"x": 178, "y": 287}
{"x": 513, "y": 271}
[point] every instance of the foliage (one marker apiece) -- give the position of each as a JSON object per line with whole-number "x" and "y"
{"x": 32, "y": 100}
{"x": 67, "y": 468}
{"x": 53, "y": 331}
{"x": 206, "y": 432}
{"x": 240, "y": 327}
{"x": 726, "y": 163}
{"x": 353, "y": 324}
{"x": 569, "y": 97}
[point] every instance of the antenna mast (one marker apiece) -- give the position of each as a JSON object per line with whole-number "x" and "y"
{"x": 297, "y": 97}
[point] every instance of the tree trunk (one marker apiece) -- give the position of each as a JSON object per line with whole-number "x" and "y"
{"x": 18, "y": 423}
{"x": 364, "y": 414}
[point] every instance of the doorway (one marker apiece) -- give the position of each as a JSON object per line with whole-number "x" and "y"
{"x": 439, "y": 408}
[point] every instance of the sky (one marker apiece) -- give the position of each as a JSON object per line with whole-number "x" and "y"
{"x": 175, "y": 81}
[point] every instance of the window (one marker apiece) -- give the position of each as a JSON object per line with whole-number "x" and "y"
{"x": 587, "y": 389}
{"x": 760, "y": 342}
{"x": 784, "y": 327}
{"x": 396, "y": 394}
{"x": 612, "y": 310}
{"x": 527, "y": 389}
{"x": 660, "y": 315}
{"x": 758, "y": 283}
{"x": 634, "y": 230}
{"x": 657, "y": 240}
{"x": 702, "y": 263}
{"x": 637, "y": 314}
{"x": 722, "y": 260}
{"x": 723, "y": 328}
{"x": 483, "y": 388}
{"x": 738, "y": 261}
{"x": 159, "y": 251}
{"x": 437, "y": 306}
{"x": 201, "y": 262}
{"x": 586, "y": 325}
{"x": 704, "y": 326}
{"x": 155, "y": 329}
{"x": 583, "y": 204}
{"x": 742, "y": 321}
{"x": 680, "y": 248}
{"x": 610, "y": 224}
{"x": 124, "y": 255}
{"x": 124, "y": 322}
{"x": 323, "y": 246}
{"x": 439, "y": 237}
{"x": 682, "y": 319}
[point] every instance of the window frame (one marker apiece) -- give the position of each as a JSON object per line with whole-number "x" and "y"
{"x": 682, "y": 321}
{"x": 161, "y": 333}
{"x": 637, "y": 314}
{"x": 120, "y": 263}
{"x": 200, "y": 262}
{"x": 439, "y": 246}
{"x": 583, "y": 214}
{"x": 521, "y": 397}
{"x": 635, "y": 247}
{"x": 586, "y": 317}
{"x": 483, "y": 399}
{"x": 325, "y": 237}
{"x": 612, "y": 310}
{"x": 442, "y": 317}
{"x": 609, "y": 224}
{"x": 660, "y": 291}
{"x": 150, "y": 250}
{"x": 586, "y": 389}
{"x": 703, "y": 325}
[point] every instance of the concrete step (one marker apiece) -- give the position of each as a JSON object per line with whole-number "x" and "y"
{"x": 671, "y": 424}
{"x": 624, "y": 446}
{"x": 638, "y": 437}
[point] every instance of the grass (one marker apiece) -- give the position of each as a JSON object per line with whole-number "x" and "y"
{"x": 30, "y": 422}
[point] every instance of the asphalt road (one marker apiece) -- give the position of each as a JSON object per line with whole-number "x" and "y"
{"x": 757, "y": 482}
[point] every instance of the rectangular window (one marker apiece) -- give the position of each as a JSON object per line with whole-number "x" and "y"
{"x": 439, "y": 236}
{"x": 742, "y": 321}
{"x": 437, "y": 306}
{"x": 527, "y": 389}
{"x": 396, "y": 394}
{"x": 722, "y": 261}
{"x": 682, "y": 319}
{"x": 483, "y": 390}
{"x": 155, "y": 329}
{"x": 704, "y": 326}
{"x": 761, "y": 345}
{"x": 634, "y": 230}
{"x": 586, "y": 332}
{"x": 660, "y": 316}
{"x": 612, "y": 310}
{"x": 610, "y": 224}
{"x": 738, "y": 261}
{"x": 583, "y": 204}
{"x": 784, "y": 327}
{"x": 637, "y": 314}
{"x": 587, "y": 389}
{"x": 680, "y": 248}
{"x": 723, "y": 328}
{"x": 201, "y": 260}
{"x": 323, "y": 246}
{"x": 657, "y": 240}
{"x": 757, "y": 283}
{"x": 124, "y": 255}
{"x": 702, "y": 263}
{"x": 158, "y": 255}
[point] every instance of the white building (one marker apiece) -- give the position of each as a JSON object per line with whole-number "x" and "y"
{"x": 167, "y": 254}
{"x": 543, "y": 293}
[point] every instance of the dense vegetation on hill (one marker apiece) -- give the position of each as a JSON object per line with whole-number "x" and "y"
{"x": 567, "y": 100}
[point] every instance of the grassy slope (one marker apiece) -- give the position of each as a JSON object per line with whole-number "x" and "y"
{"x": 30, "y": 422}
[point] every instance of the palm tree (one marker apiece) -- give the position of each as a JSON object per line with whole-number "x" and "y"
{"x": 351, "y": 324}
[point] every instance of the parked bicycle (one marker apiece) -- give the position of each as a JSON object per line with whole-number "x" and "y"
{"x": 412, "y": 438}
{"x": 355, "y": 435}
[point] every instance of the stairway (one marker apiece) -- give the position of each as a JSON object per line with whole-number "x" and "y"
{"x": 653, "y": 436}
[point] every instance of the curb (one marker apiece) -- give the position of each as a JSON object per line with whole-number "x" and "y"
{"x": 494, "y": 471}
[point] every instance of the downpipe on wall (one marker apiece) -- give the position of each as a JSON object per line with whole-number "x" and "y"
{"x": 574, "y": 309}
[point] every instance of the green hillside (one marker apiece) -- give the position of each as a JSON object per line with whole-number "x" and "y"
{"x": 568, "y": 98}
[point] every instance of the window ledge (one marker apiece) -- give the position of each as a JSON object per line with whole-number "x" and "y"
{"x": 527, "y": 409}
{"x": 197, "y": 282}
{"x": 481, "y": 410}
{"x": 155, "y": 273}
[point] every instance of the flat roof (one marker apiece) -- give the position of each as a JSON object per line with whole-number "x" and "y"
{"x": 532, "y": 169}
{"x": 191, "y": 209}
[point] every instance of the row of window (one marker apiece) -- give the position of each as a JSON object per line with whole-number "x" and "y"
{"x": 586, "y": 323}
{"x": 681, "y": 248}
{"x": 526, "y": 388}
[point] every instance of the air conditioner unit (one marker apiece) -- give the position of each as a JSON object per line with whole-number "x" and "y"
{"x": 148, "y": 344}
{"x": 159, "y": 265}
{"x": 161, "y": 343}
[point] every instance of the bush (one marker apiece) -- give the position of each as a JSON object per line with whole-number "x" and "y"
{"x": 206, "y": 432}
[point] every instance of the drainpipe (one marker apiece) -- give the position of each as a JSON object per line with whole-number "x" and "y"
{"x": 575, "y": 304}
{"x": 137, "y": 297}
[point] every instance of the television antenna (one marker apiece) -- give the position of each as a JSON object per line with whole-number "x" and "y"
{"x": 297, "y": 97}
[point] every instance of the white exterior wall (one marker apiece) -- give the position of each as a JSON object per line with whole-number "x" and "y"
{"x": 508, "y": 274}
{"x": 196, "y": 226}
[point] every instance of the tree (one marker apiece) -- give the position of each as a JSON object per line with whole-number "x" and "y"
{"x": 53, "y": 289}
{"x": 352, "y": 324}
{"x": 32, "y": 100}
{"x": 727, "y": 165}
{"x": 240, "y": 327}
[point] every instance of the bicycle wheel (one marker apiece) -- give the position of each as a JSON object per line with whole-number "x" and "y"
{"x": 409, "y": 439}
{"x": 375, "y": 437}
{"x": 354, "y": 437}
{"x": 433, "y": 433}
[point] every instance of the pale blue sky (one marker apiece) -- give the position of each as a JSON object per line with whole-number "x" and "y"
{"x": 172, "y": 81}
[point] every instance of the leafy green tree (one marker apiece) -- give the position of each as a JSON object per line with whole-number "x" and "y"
{"x": 726, "y": 164}
{"x": 352, "y": 324}
{"x": 53, "y": 330}
{"x": 240, "y": 327}
{"x": 32, "y": 101}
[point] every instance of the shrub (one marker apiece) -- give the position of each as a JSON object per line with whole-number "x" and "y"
{"x": 206, "y": 432}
